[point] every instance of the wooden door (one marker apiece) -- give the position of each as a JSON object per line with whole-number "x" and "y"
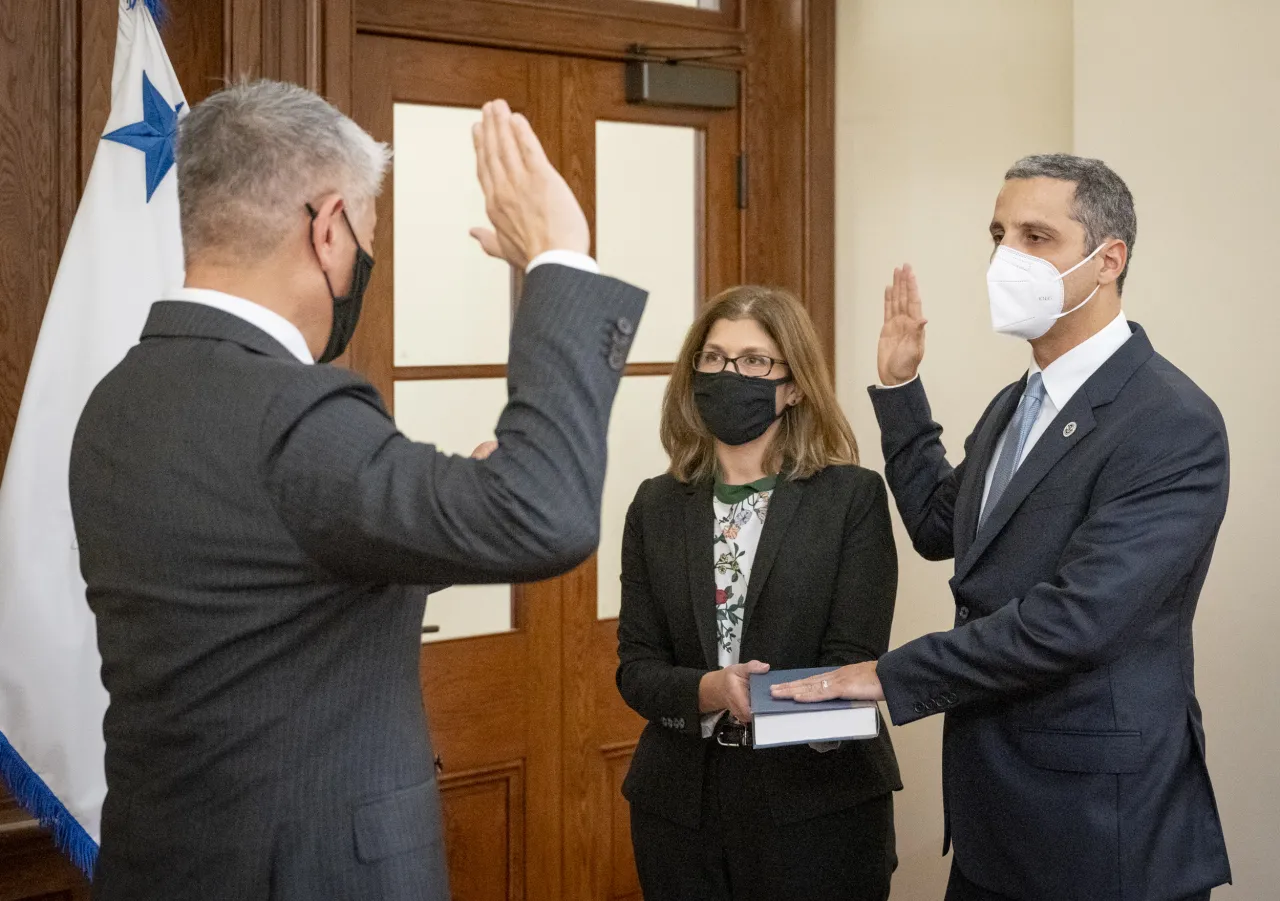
{"x": 532, "y": 735}
{"x": 433, "y": 339}
{"x": 681, "y": 166}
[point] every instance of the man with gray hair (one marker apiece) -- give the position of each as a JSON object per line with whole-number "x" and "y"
{"x": 252, "y": 526}
{"x": 1082, "y": 522}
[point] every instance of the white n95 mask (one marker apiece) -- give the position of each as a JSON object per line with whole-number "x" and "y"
{"x": 1026, "y": 292}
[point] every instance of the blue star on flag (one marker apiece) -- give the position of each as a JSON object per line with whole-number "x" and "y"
{"x": 154, "y": 135}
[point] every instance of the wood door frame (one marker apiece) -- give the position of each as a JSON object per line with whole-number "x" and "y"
{"x": 786, "y": 54}
{"x": 526, "y": 712}
{"x": 600, "y": 730}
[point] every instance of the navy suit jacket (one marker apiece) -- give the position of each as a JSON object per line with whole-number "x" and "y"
{"x": 1073, "y": 750}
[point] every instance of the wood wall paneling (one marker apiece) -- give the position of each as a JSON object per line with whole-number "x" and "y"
{"x": 820, "y": 171}
{"x": 624, "y": 884}
{"x": 602, "y": 28}
{"x": 484, "y": 832}
{"x": 193, "y": 39}
{"x": 308, "y": 42}
{"x": 55, "y": 96}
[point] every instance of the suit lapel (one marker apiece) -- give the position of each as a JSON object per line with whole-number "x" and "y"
{"x": 783, "y": 504}
{"x": 699, "y": 540}
{"x": 969, "y": 503}
{"x": 1067, "y": 430}
{"x": 1053, "y": 445}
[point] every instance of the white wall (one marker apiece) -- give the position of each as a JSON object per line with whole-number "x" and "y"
{"x": 935, "y": 99}
{"x": 1183, "y": 99}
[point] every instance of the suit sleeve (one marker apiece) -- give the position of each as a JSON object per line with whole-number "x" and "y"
{"x": 924, "y": 484}
{"x": 1158, "y": 505}
{"x": 861, "y": 614}
{"x": 648, "y": 678}
{"x": 369, "y": 504}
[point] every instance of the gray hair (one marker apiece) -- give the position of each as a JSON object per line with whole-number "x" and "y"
{"x": 1103, "y": 204}
{"x": 251, "y": 156}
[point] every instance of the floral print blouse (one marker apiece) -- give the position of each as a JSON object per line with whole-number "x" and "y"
{"x": 740, "y": 512}
{"x": 737, "y": 535}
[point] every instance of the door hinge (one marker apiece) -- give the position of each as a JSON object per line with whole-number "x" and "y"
{"x": 742, "y": 181}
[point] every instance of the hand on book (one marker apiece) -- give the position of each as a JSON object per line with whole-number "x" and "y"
{"x": 856, "y": 682}
{"x": 730, "y": 689}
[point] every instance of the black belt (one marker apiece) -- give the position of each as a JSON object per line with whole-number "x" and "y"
{"x": 729, "y": 733}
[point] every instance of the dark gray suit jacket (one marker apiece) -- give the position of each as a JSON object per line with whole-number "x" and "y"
{"x": 1073, "y": 751}
{"x": 250, "y": 528}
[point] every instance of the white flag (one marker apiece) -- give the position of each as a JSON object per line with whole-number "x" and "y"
{"x": 124, "y": 251}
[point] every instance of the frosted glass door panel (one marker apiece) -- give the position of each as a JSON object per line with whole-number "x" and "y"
{"x": 635, "y": 454}
{"x": 452, "y": 302}
{"x": 649, "y": 203}
{"x": 456, "y": 415}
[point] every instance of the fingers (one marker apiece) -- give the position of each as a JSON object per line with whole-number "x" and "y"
{"x": 815, "y": 688}
{"x": 790, "y": 689}
{"x": 508, "y": 146}
{"x": 915, "y": 308}
{"x": 491, "y": 144}
{"x": 740, "y": 703}
{"x": 755, "y": 666}
{"x": 808, "y": 690}
{"x": 488, "y": 240}
{"x": 483, "y": 451}
{"x": 530, "y": 147}
{"x": 902, "y": 297}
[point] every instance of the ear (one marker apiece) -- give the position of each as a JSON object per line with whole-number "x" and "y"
{"x": 1114, "y": 257}
{"x": 326, "y": 228}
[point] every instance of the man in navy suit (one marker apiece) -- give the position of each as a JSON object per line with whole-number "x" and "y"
{"x": 1082, "y": 522}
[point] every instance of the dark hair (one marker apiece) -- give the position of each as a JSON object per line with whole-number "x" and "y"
{"x": 1103, "y": 204}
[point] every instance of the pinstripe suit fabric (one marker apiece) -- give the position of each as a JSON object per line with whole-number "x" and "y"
{"x": 255, "y": 533}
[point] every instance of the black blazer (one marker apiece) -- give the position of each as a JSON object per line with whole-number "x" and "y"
{"x": 251, "y": 529}
{"x": 821, "y": 594}
{"x": 1073, "y": 753}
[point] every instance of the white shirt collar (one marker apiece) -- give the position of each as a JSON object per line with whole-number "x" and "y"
{"x": 1066, "y": 374}
{"x": 257, "y": 315}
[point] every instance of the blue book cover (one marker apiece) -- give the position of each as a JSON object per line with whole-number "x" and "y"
{"x": 764, "y": 704}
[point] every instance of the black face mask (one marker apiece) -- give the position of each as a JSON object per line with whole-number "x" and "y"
{"x": 346, "y": 309}
{"x": 736, "y": 409}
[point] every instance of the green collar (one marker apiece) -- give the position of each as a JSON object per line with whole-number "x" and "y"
{"x": 736, "y": 494}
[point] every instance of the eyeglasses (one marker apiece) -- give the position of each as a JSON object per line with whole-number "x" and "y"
{"x": 755, "y": 366}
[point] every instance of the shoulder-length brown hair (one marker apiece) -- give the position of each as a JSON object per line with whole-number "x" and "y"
{"x": 814, "y": 433}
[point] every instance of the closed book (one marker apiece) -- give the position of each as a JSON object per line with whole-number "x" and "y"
{"x": 777, "y": 721}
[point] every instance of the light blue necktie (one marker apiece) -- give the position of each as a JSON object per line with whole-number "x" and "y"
{"x": 1015, "y": 440}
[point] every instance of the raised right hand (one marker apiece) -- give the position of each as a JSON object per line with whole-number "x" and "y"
{"x": 530, "y": 205}
{"x": 901, "y": 347}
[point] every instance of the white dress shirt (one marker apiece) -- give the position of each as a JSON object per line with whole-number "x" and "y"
{"x": 255, "y": 314}
{"x": 288, "y": 334}
{"x": 1062, "y": 380}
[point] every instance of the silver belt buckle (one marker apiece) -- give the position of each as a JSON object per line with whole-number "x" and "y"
{"x": 733, "y": 735}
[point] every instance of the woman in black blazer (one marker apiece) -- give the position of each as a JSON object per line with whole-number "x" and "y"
{"x": 764, "y": 545}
